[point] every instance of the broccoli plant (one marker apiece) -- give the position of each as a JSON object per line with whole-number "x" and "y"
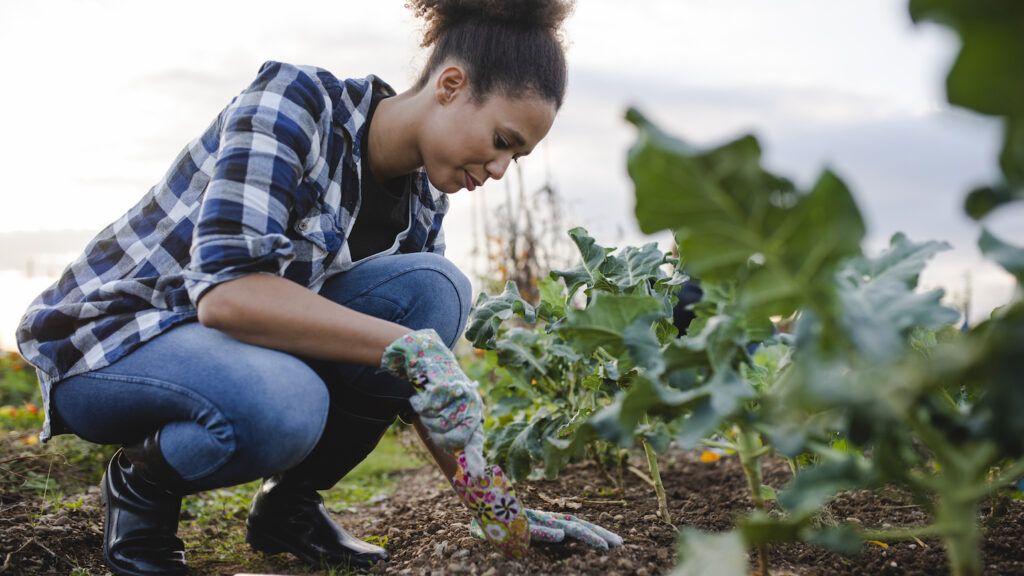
{"x": 568, "y": 356}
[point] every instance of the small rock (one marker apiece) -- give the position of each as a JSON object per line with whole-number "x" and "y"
{"x": 886, "y": 525}
{"x": 624, "y": 563}
{"x": 650, "y": 518}
{"x": 853, "y": 520}
{"x": 913, "y": 546}
{"x": 440, "y": 548}
{"x": 643, "y": 572}
{"x": 460, "y": 554}
{"x": 492, "y": 571}
{"x": 893, "y": 563}
{"x": 618, "y": 517}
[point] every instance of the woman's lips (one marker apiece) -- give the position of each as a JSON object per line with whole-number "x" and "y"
{"x": 471, "y": 182}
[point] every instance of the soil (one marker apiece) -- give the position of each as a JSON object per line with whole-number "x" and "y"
{"x": 426, "y": 529}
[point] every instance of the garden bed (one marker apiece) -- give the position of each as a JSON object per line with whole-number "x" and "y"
{"x": 425, "y": 528}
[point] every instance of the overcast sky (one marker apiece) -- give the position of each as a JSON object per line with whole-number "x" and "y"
{"x": 100, "y": 96}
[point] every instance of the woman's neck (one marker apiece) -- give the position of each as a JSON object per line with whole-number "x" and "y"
{"x": 394, "y": 130}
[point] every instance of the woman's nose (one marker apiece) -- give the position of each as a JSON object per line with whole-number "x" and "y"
{"x": 496, "y": 168}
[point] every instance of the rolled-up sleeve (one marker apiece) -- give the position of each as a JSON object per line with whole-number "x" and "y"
{"x": 270, "y": 138}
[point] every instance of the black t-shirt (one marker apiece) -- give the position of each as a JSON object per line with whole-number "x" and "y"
{"x": 384, "y": 213}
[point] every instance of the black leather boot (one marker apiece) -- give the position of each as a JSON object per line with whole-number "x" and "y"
{"x": 287, "y": 513}
{"x": 290, "y": 516}
{"x": 142, "y": 498}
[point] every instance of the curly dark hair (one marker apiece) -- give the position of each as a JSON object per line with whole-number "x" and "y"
{"x": 511, "y": 46}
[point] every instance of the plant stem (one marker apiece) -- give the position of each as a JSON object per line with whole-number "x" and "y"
{"x": 659, "y": 488}
{"x": 749, "y": 447}
{"x": 958, "y": 493}
{"x": 963, "y": 539}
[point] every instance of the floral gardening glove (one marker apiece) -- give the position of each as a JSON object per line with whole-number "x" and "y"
{"x": 448, "y": 402}
{"x": 497, "y": 514}
{"x": 551, "y": 527}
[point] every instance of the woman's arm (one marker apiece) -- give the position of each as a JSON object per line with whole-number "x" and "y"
{"x": 273, "y": 312}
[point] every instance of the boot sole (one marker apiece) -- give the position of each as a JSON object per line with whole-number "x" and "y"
{"x": 271, "y": 545}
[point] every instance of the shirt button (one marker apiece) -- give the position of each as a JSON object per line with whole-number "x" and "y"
{"x": 303, "y": 225}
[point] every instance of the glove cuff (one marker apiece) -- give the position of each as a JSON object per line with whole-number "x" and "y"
{"x": 404, "y": 358}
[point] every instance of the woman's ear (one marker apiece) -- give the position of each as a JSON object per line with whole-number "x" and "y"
{"x": 450, "y": 82}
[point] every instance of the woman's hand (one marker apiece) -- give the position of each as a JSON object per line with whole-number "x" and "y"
{"x": 551, "y": 527}
{"x": 448, "y": 404}
{"x": 497, "y": 514}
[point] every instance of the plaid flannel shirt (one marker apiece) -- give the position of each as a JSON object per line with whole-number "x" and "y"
{"x": 273, "y": 185}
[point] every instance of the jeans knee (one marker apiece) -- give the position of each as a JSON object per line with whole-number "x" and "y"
{"x": 288, "y": 425}
{"x": 443, "y": 296}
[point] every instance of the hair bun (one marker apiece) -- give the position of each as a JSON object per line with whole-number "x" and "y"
{"x": 442, "y": 15}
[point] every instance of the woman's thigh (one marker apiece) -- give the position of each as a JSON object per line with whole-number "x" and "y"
{"x": 237, "y": 397}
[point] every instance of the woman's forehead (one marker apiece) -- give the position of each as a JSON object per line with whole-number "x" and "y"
{"x": 527, "y": 118}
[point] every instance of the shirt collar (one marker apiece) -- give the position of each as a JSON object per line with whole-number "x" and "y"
{"x": 351, "y": 100}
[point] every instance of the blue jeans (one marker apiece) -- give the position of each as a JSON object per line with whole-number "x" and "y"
{"x": 230, "y": 412}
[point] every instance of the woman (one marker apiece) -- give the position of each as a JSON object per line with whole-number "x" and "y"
{"x": 270, "y": 307}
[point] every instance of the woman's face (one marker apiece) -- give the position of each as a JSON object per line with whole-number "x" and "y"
{"x": 466, "y": 143}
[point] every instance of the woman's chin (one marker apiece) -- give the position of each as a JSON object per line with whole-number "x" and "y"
{"x": 447, "y": 188}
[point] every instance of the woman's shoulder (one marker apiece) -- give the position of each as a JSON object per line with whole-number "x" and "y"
{"x": 340, "y": 91}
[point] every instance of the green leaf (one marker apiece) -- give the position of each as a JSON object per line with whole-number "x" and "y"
{"x": 726, "y": 392}
{"x": 1011, "y": 258}
{"x": 564, "y": 352}
{"x": 703, "y": 554}
{"x": 981, "y": 201}
{"x": 843, "y": 538}
{"x": 1011, "y": 159}
{"x": 617, "y": 421}
{"x": 736, "y": 221}
{"x": 643, "y": 345}
{"x": 656, "y": 434}
{"x": 587, "y": 273}
{"x": 813, "y": 487}
{"x": 768, "y": 493}
{"x": 489, "y": 312}
{"x": 721, "y": 338}
{"x": 528, "y": 444}
{"x": 604, "y": 322}
{"x": 880, "y": 306}
{"x": 552, "y": 298}
{"x": 499, "y": 441}
{"x": 758, "y": 528}
{"x": 986, "y": 76}
{"x": 634, "y": 266}
{"x": 516, "y": 350}
{"x": 511, "y": 404}
{"x": 997, "y": 365}
{"x": 679, "y": 355}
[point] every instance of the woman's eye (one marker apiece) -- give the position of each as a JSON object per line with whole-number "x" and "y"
{"x": 500, "y": 142}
